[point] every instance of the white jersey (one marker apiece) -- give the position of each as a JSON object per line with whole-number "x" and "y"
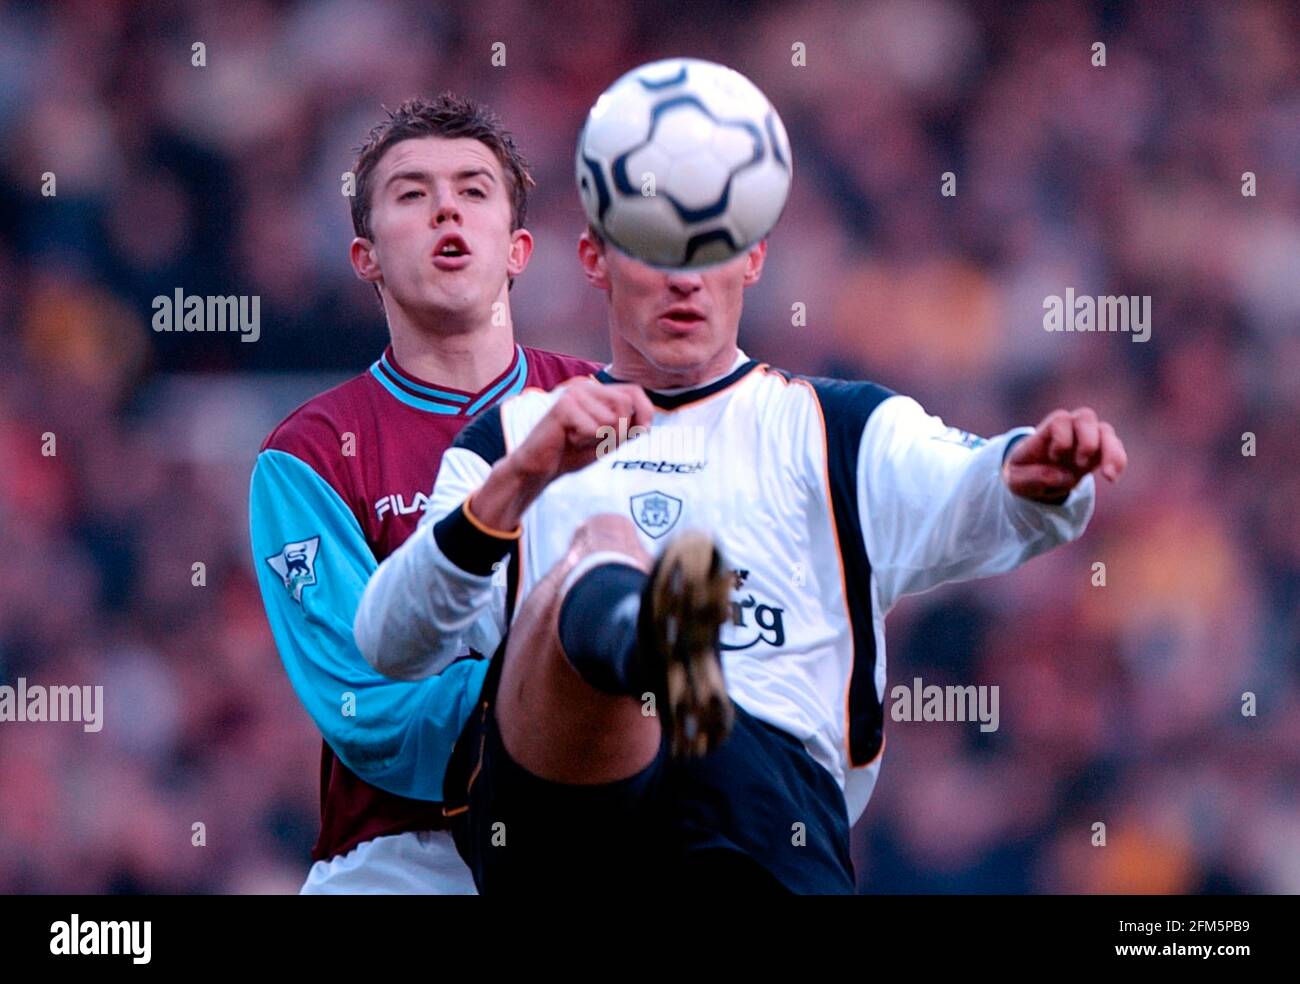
{"x": 414, "y": 862}
{"x": 830, "y": 500}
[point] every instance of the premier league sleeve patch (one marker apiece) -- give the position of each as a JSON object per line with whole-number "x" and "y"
{"x": 296, "y": 565}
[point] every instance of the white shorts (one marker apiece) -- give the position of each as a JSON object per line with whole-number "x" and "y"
{"x": 413, "y": 863}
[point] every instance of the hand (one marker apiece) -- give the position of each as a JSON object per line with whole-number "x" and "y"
{"x": 1067, "y": 445}
{"x": 564, "y": 440}
{"x": 568, "y": 437}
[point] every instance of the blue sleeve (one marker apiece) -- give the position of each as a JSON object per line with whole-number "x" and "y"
{"x": 312, "y": 564}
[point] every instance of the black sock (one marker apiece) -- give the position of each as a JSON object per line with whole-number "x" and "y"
{"x": 598, "y": 629}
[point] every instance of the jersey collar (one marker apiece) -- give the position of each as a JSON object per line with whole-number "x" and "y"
{"x": 417, "y": 393}
{"x": 673, "y": 399}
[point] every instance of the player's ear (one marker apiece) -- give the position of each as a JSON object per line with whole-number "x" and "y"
{"x": 754, "y": 260}
{"x": 364, "y": 261}
{"x": 591, "y": 255}
{"x": 521, "y": 248}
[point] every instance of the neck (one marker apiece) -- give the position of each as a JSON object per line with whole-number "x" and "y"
{"x": 632, "y": 367}
{"x": 467, "y": 357}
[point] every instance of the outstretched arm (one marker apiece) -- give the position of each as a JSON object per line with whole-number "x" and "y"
{"x": 941, "y": 505}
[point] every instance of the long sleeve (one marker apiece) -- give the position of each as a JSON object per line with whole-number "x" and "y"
{"x": 313, "y": 564}
{"x": 935, "y": 508}
{"x": 441, "y": 592}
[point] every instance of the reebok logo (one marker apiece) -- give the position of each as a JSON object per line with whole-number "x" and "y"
{"x": 661, "y": 467}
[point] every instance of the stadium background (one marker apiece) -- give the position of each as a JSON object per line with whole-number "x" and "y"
{"x": 1119, "y": 704}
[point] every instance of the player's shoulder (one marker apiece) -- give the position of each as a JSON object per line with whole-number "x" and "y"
{"x": 313, "y": 430}
{"x": 840, "y": 402}
{"x": 847, "y": 417}
{"x": 547, "y": 369}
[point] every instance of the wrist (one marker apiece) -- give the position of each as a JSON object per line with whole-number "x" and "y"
{"x": 1056, "y": 500}
{"x": 527, "y": 477}
{"x": 1041, "y": 498}
{"x": 477, "y": 522}
{"x": 500, "y": 502}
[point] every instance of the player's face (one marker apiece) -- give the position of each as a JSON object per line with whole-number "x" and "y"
{"x": 441, "y": 216}
{"x": 671, "y": 328}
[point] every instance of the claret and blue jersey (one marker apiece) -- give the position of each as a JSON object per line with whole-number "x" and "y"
{"x": 337, "y": 487}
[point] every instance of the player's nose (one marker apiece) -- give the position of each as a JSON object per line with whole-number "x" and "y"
{"x": 685, "y": 281}
{"x": 446, "y": 208}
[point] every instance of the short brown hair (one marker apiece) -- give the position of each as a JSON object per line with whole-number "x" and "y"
{"x": 446, "y": 116}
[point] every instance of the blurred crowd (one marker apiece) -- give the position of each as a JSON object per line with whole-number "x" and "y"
{"x": 1121, "y": 704}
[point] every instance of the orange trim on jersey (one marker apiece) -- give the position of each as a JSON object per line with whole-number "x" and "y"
{"x": 482, "y": 743}
{"x": 884, "y": 739}
{"x": 478, "y": 767}
{"x": 483, "y": 527}
{"x": 844, "y": 587}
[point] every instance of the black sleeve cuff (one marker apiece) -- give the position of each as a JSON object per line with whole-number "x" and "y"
{"x": 467, "y": 546}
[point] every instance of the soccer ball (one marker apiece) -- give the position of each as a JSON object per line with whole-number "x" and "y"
{"x": 683, "y": 163}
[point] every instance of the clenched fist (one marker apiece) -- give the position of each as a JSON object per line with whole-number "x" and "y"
{"x": 567, "y": 438}
{"x": 1065, "y": 447}
{"x": 564, "y": 440}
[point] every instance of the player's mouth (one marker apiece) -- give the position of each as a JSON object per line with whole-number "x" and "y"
{"x": 451, "y": 253}
{"x": 682, "y": 318}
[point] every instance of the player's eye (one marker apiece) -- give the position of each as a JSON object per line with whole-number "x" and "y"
{"x": 406, "y": 195}
{"x": 476, "y": 192}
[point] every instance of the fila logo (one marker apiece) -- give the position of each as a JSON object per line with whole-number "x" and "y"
{"x": 398, "y": 506}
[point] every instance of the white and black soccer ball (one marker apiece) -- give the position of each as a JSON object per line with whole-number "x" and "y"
{"x": 683, "y": 163}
